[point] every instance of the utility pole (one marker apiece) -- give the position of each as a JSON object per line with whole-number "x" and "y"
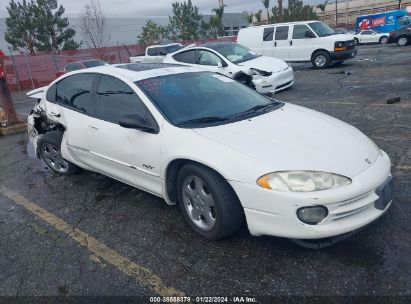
{"x": 336, "y": 12}
{"x": 399, "y": 4}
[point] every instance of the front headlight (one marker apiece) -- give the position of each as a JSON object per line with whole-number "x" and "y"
{"x": 302, "y": 181}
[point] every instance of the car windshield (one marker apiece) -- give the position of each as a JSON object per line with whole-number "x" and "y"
{"x": 234, "y": 52}
{"x": 199, "y": 99}
{"x": 321, "y": 29}
{"x": 94, "y": 63}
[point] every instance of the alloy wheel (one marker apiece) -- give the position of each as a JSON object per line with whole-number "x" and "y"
{"x": 199, "y": 203}
{"x": 51, "y": 155}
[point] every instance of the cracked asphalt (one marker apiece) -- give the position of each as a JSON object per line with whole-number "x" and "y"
{"x": 37, "y": 259}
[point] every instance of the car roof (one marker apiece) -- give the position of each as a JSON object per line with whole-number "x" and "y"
{"x": 138, "y": 71}
{"x": 279, "y": 24}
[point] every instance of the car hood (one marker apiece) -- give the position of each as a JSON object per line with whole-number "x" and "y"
{"x": 296, "y": 138}
{"x": 265, "y": 63}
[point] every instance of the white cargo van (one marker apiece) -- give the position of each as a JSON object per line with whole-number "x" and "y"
{"x": 299, "y": 42}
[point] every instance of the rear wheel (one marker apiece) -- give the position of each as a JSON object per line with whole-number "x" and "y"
{"x": 321, "y": 60}
{"x": 403, "y": 40}
{"x": 383, "y": 40}
{"x": 50, "y": 151}
{"x": 207, "y": 202}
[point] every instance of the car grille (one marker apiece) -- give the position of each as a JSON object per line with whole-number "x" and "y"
{"x": 350, "y": 45}
{"x": 352, "y": 206}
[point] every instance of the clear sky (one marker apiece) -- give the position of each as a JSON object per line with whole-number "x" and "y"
{"x": 146, "y": 8}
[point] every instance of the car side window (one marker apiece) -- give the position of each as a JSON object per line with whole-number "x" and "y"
{"x": 51, "y": 93}
{"x": 186, "y": 57}
{"x": 366, "y": 33}
{"x": 115, "y": 99}
{"x": 268, "y": 34}
{"x": 299, "y": 31}
{"x": 281, "y": 33}
{"x": 75, "y": 92}
{"x": 73, "y": 67}
{"x": 208, "y": 58}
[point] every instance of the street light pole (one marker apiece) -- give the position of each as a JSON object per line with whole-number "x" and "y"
{"x": 336, "y": 11}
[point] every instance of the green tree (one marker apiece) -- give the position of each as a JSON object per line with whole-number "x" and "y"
{"x": 21, "y": 31}
{"x": 54, "y": 33}
{"x": 258, "y": 16}
{"x": 322, "y": 7}
{"x": 185, "y": 21}
{"x": 219, "y": 15}
{"x": 297, "y": 11}
{"x": 153, "y": 33}
{"x": 249, "y": 17}
{"x": 266, "y": 4}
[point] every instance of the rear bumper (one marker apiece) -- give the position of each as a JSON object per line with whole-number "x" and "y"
{"x": 343, "y": 55}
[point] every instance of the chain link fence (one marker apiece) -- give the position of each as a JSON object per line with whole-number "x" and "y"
{"x": 26, "y": 72}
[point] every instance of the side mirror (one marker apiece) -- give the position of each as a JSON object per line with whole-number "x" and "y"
{"x": 222, "y": 64}
{"x": 139, "y": 123}
{"x": 309, "y": 34}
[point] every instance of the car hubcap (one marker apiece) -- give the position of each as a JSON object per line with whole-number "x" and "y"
{"x": 384, "y": 40}
{"x": 199, "y": 203}
{"x": 52, "y": 157}
{"x": 402, "y": 41}
{"x": 320, "y": 60}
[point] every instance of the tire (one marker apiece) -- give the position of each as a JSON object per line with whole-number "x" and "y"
{"x": 357, "y": 42}
{"x": 208, "y": 204}
{"x": 402, "y": 40}
{"x": 49, "y": 150}
{"x": 321, "y": 60}
{"x": 383, "y": 40}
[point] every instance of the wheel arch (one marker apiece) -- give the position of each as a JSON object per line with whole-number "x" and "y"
{"x": 170, "y": 177}
{"x": 319, "y": 50}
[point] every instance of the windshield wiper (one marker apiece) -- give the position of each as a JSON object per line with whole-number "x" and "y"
{"x": 258, "y": 108}
{"x": 207, "y": 119}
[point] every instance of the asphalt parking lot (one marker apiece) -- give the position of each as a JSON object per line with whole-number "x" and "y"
{"x": 90, "y": 235}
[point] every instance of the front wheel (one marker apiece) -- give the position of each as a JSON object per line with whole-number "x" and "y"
{"x": 383, "y": 40}
{"x": 49, "y": 150}
{"x": 321, "y": 60}
{"x": 402, "y": 41}
{"x": 208, "y": 203}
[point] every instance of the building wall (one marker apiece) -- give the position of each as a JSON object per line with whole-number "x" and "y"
{"x": 348, "y": 11}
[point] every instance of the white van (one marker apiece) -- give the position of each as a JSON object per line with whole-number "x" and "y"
{"x": 299, "y": 42}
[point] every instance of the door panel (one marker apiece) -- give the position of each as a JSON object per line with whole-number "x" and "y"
{"x": 125, "y": 154}
{"x": 282, "y": 42}
{"x": 302, "y": 46}
{"x": 71, "y": 104}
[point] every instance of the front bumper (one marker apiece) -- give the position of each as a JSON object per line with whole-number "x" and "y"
{"x": 275, "y": 82}
{"x": 349, "y": 207}
{"x": 343, "y": 55}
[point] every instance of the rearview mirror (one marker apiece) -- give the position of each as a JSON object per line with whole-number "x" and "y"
{"x": 139, "y": 123}
{"x": 309, "y": 34}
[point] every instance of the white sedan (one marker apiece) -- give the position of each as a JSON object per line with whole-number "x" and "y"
{"x": 265, "y": 74}
{"x": 221, "y": 151}
{"x": 371, "y": 36}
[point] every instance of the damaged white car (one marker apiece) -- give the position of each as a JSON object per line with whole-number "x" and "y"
{"x": 221, "y": 151}
{"x": 264, "y": 74}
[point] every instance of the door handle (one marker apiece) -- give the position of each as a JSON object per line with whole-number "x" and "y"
{"x": 291, "y": 42}
{"x": 275, "y": 43}
{"x": 92, "y": 127}
{"x": 54, "y": 113}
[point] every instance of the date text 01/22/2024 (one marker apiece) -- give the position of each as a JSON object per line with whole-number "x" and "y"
{"x": 186, "y": 299}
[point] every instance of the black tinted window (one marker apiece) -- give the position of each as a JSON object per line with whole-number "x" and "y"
{"x": 366, "y": 33}
{"x": 299, "y": 31}
{"x": 268, "y": 34}
{"x": 75, "y": 92}
{"x": 186, "y": 57}
{"x": 115, "y": 99}
{"x": 281, "y": 33}
{"x": 51, "y": 93}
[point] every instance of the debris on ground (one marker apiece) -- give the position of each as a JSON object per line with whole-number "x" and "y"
{"x": 393, "y": 100}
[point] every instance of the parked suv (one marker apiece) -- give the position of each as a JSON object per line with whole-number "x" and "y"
{"x": 401, "y": 36}
{"x": 299, "y": 42}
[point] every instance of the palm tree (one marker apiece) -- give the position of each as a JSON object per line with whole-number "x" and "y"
{"x": 219, "y": 12}
{"x": 249, "y": 18}
{"x": 258, "y": 16}
{"x": 266, "y": 4}
{"x": 321, "y": 7}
